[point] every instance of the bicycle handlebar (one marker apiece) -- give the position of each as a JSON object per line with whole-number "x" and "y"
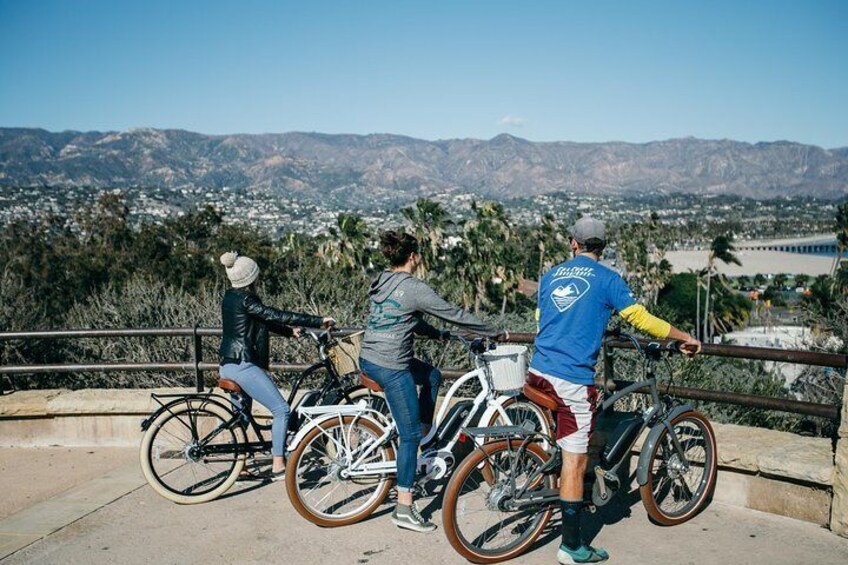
{"x": 321, "y": 337}
{"x": 652, "y": 350}
{"x": 476, "y": 346}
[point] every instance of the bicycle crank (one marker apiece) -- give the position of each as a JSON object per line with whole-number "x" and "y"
{"x": 605, "y": 487}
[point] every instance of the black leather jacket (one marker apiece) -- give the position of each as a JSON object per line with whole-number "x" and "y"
{"x": 246, "y": 325}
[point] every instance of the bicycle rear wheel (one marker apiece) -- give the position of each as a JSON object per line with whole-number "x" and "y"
{"x": 522, "y": 412}
{"x": 315, "y": 478}
{"x": 173, "y": 458}
{"x": 678, "y": 488}
{"x": 476, "y": 522}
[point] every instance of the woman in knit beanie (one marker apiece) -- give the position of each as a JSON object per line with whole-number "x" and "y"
{"x": 244, "y": 351}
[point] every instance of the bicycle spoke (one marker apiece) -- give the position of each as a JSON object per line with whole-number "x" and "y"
{"x": 320, "y": 484}
{"x": 176, "y": 459}
{"x": 480, "y": 520}
{"x": 680, "y": 476}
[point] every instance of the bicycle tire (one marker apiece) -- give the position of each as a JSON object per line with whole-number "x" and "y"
{"x": 541, "y": 415}
{"x": 705, "y": 486}
{"x": 176, "y": 448}
{"x": 477, "y": 461}
{"x": 293, "y": 466}
{"x": 374, "y": 400}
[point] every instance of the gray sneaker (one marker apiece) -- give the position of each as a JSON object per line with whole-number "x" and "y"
{"x": 408, "y": 518}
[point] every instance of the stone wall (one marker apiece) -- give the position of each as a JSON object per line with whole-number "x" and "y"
{"x": 766, "y": 470}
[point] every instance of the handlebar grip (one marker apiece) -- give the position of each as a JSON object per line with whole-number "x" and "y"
{"x": 674, "y": 345}
{"x": 477, "y": 345}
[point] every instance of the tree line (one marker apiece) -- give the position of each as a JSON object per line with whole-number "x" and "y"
{"x": 96, "y": 270}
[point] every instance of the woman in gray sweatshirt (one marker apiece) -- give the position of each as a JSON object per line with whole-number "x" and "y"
{"x": 398, "y": 304}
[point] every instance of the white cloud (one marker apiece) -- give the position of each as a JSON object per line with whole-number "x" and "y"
{"x": 512, "y": 121}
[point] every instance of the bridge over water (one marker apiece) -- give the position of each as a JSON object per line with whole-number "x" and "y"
{"x": 813, "y": 256}
{"x": 824, "y": 244}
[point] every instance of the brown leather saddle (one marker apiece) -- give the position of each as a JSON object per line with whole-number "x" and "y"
{"x": 229, "y": 386}
{"x": 540, "y": 397}
{"x": 369, "y": 383}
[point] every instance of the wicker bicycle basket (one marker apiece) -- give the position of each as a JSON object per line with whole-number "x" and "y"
{"x": 344, "y": 355}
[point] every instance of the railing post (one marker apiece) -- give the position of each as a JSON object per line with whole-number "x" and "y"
{"x": 839, "y": 509}
{"x": 198, "y": 357}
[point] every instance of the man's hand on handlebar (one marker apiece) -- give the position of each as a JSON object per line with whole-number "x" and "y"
{"x": 296, "y": 332}
{"x": 690, "y": 346}
{"x": 328, "y": 322}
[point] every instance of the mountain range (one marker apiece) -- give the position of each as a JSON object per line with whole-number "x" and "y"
{"x": 365, "y": 167}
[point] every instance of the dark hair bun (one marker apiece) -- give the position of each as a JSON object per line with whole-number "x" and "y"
{"x": 397, "y": 247}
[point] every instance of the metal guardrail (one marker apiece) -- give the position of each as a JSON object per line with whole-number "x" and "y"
{"x": 198, "y": 366}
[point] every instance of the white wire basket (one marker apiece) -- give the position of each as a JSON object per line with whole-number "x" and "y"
{"x": 509, "y": 366}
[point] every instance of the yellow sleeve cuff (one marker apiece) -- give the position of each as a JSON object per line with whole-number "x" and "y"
{"x": 639, "y": 317}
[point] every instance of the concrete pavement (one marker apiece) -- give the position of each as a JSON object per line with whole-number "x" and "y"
{"x": 34, "y": 474}
{"x": 255, "y": 523}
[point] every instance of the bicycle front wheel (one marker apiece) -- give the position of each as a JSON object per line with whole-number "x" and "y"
{"x": 479, "y": 523}
{"x": 173, "y": 452}
{"x": 680, "y": 482}
{"x": 375, "y": 401}
{"x": 317, "y": 477}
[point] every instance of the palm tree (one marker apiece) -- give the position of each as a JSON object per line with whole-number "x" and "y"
{"x": 551, "y": 243}
{"x": 841, "y": 238}
{"x": 348, "y": 245}
{"x": 485, "y": 239}
{"x": 428, "y": 221}
{"x": 640, "y": 253}
{"x": 721, "y": 249}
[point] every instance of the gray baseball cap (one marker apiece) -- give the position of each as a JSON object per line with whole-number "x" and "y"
{"x": 587, "y": 228}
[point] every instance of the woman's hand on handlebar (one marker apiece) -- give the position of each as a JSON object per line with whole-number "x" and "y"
{"x": 328, "y": 322}
{"x": 296, "y": 332}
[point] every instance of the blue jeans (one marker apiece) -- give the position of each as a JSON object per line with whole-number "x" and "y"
{"x": 258, "y": 385}
{"x": 409, "y": 409}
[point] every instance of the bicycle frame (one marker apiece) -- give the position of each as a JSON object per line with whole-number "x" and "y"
{"x": 210, "y": 397}
{"x": 356, "y": 467}
{"x": 658, "y": 413}
{"x": 332, "y": 382}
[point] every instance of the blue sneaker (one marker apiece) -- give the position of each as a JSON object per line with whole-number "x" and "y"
{"x": 583, "y": 554}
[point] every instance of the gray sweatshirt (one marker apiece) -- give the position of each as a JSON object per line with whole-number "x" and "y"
{"x": 398, "y": 303}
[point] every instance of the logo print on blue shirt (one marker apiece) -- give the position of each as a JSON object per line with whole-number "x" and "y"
{"x": 566, "y": 295}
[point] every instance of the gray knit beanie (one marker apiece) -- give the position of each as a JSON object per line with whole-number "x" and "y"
{"x": 241, "y": 271}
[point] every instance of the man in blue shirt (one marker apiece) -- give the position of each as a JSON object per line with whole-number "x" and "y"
{"x": 576, "y": 300}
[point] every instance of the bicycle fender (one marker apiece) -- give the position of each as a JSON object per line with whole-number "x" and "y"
{"x": 314, "y": 423}
{"x": 642, "y": 469}
{"x": 221, "y": 401}
{"x": 491, "y": 410}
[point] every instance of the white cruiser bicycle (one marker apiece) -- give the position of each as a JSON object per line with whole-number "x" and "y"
{"x": 342, "y": 463}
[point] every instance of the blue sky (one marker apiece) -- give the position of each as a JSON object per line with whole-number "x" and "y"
{"x": 580, "y": 71}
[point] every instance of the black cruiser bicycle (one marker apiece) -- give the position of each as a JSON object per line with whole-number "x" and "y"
{"x": 195, "y": 445}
